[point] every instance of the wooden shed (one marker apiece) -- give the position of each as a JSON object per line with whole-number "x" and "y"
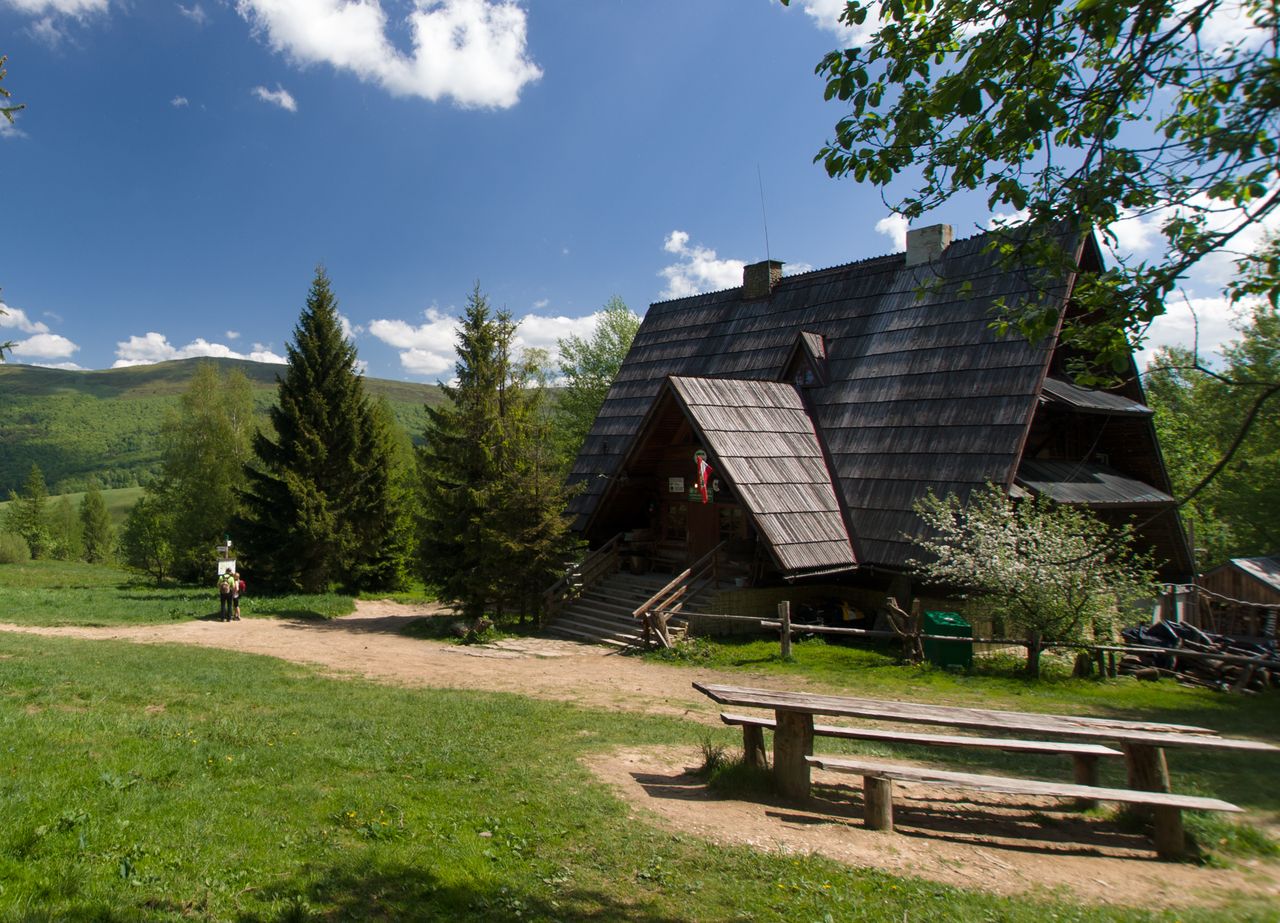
{"x": 1241, "y": 597}
{"x": 822, "y": 406}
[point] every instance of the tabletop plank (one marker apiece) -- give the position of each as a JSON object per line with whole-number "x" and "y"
{"x": 1134, "y": 732}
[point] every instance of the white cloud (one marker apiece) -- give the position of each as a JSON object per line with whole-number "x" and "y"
{"x": 541, "y": 303}
{"x": 16, "y": 319}
{"x": 10, "y": 129}
{"x": 826, "y": 16}
{"x": 60, "y": 7}
{"x": 698, "y": 269}
{"x": 44, "y": 346}
{"x": 1205, "y": 323}
{"x": 47, "y": 31}
{"x": 195, "y": 13}
{"x": 349, "y": 330}
{"x": 232, "y": 334}
{"x": 470, "y": 51}
{"x": 155, "y": 347}
{"x": 277, "y": 97}
{"x": 894, "y": 227}
{"x": 179, "y": 102}
{"x": 428, "y": 349}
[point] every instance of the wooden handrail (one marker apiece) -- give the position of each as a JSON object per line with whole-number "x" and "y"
{"x": 649, "y": 611}
{"x": 602, "y": 561}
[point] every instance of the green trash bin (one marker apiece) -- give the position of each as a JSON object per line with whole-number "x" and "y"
{"x": 957, "y": 653}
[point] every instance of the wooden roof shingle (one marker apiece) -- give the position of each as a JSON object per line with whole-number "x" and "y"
{"x": 920, "y": 393}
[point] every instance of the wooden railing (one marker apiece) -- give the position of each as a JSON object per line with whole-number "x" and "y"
{"x": 654, "y": 611}
{"x": 596, "y": 566}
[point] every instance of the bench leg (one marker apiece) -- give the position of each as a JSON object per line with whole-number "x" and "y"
{"x": 877, "y": 796}
{"x": 1085, "y": 772}
{"x": 753, "y": 746}
{"x": 792, "y": 742}
{"x": 1148, "y": 771}
{"x": 1169, "y": 838}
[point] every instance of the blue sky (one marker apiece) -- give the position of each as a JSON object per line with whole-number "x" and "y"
{"x": 181, "y": 168}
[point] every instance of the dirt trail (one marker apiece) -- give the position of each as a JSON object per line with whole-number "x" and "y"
{"x": 370, "y": 643}
{"x": 971, "y": 840}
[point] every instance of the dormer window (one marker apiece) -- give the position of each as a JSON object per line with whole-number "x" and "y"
{"x": 807, "y": 366}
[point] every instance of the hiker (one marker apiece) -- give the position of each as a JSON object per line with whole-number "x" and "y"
{"x": 226, "y": 604}
{"x": 237, "y": 587}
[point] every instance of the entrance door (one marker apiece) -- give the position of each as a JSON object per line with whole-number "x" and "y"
{"x": 704, "y": 529}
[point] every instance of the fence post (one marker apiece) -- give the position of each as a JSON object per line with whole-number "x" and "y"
{"x": 784, "y": 613}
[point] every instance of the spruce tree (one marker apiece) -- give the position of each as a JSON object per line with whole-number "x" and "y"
{"x": 318, "y": 497}
{"x": 491, "y": 523}
{"x": 28, "y": 515}
{"x": 95, "y": 524}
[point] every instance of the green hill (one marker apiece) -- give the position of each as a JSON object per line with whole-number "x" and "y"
{"x": 106, "y": 424}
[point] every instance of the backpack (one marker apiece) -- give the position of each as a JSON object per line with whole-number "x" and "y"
{"x": 224, "y": 585}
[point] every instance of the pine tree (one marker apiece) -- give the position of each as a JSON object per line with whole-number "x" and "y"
{"x": 28, "y": 515}
{"x": 491, "y": 524}
{"x": 318, "y": 497}
{"x": 95, "y": 524}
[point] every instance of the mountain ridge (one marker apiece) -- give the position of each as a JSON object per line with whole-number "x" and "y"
{"x": 106, "y": 423}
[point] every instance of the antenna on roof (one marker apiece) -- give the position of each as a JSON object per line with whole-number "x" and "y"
{"x": 764, "y": 217}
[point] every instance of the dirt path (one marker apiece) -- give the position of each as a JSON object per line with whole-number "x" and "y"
{"x": 974, "y": 841}
{"x": 370, "y": 643}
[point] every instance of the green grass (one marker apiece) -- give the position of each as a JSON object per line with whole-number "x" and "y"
{"x": 74, "y": 593}
{"x": 119, "y": 501}
{"x": 168, "y": 783}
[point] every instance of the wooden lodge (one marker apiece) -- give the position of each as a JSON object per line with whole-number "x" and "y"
{"x": 826, "y": 404}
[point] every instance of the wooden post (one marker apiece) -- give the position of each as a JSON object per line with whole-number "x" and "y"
{"x": 1085, "y": 772}
{"x": 1148, "y": 771}
{"x": 792, "y": 742}
{"x": 1111, "y": 664}
{"x": 753, "y": 746}
{"x": 1169, "y": 838}
{"x": 784, "y": 614}
{"x": 877, "y": 797}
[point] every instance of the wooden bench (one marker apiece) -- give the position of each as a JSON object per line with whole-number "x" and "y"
{"x": 878, "y": 778}
{"x": 1084, "y": 756}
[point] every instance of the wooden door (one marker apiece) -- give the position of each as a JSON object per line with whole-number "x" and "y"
{"x": 704, "y": 529}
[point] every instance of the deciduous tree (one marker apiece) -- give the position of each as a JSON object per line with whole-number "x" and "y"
{"x": 206, "y": 445}
{"x": 589, "y": 367}
{"x": 144, "y": 540}
{"x": 1076, "y": 115}
{"x": 1055, "y": 572}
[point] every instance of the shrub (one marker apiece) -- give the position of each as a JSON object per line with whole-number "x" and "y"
{"x": 13, "y": 549}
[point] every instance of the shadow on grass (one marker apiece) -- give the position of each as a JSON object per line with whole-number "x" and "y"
{"x": 401, "y": 892}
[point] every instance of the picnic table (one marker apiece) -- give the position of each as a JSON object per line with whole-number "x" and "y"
{"x": 1143, "y": 742}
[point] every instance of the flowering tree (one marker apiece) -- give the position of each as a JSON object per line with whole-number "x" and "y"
{"x": 1056, "y": 572}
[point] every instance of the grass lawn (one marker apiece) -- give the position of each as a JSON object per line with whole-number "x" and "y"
{"x": 174, "y": 783}
{"x": 74, "y": 593}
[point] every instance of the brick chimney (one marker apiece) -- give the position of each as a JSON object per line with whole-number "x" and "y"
{"x": 927, "y": 244}
{"x": 758, "y": 279}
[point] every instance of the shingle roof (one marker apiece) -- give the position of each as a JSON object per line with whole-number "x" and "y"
{"x": 1266, "y": 570}
{"x": 762, "y": 441}
{"x": 1087, "y": 484}
{"x": 922, "y": 394}
{"x": 1065, "y": 392}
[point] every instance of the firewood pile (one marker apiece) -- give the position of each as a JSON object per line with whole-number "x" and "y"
{"x": 1199, "y": 658}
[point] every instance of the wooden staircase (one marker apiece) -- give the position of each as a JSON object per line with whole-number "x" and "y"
{"x": 602, "y": 614}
